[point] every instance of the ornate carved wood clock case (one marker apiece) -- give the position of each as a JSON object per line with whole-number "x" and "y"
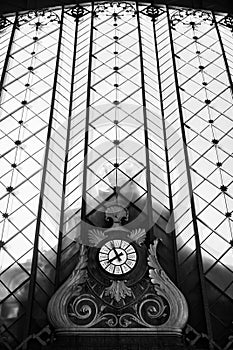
{"x": 117, "y": 286}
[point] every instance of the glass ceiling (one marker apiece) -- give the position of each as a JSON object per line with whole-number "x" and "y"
{"x": 115, "y": 99}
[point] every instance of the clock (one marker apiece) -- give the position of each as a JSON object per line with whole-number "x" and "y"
{"x": 117, "y": 254}
{"x": 117, "y": 257}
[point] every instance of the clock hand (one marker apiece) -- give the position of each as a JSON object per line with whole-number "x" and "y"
{"x": 117, "y": 254}
{"x": 115, "y": 251}
{"x": 116, "y": 257}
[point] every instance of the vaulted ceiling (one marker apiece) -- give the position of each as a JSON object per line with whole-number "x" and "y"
{"x": 8, "y": 6}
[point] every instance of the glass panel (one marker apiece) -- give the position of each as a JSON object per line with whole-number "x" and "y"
{"x": 115, "y": 104}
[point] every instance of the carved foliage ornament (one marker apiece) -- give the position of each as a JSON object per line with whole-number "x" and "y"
{"x": 57, "y": 307}
{"x": 96, "y": 236}
{"x": 165, "y": 288}
{"x": 138, "y": 235}
{"x": 118, "y": 290}
{"x": 85, "y": 311}
{"x": 162, "y": 307}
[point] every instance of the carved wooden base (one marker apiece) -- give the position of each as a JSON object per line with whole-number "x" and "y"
{"x": 152, "y": 305}
{"x": 117, "y": 342}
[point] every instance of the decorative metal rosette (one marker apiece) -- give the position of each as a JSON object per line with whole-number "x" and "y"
{"x": 4, "y": 23}
{"x": 227, "y": 21}
{"x": 77, "y": 11}
{"x": 191, "y": 17}
{"x": 38, "y": 18}
{"x": 153, "y": 11}
{"x": 114, "y": 8}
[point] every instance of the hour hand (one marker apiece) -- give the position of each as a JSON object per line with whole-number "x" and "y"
{"x": 116, "y": 257}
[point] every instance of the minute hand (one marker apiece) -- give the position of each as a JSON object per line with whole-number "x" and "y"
{"x": 115, "y": 251}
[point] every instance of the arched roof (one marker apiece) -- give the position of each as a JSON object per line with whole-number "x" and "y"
{"x": 9, "y": 6}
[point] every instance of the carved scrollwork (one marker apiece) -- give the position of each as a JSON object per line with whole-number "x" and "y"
{"x": 111, "y": 320}
{"x": 125, "y": 320}
{"x": 117, "y": 213}
{"x": 83, "y": 303}
{"x": 82, "y": 310}
{"x": 154, "y": 310}
{"x": 136, "y": 319}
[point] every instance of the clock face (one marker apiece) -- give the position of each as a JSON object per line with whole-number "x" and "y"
{"x": 117, "y": 257}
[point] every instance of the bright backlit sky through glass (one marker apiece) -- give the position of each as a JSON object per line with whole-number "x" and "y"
{"x": 25, "y": 110}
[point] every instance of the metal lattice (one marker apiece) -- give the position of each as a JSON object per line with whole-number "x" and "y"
{"x": 104, "y": 100}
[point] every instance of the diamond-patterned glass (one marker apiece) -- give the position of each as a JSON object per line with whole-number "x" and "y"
{"x": 116, "y": 100}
